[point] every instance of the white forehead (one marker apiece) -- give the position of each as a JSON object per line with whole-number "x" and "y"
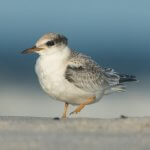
{"x": 45, "y": 38}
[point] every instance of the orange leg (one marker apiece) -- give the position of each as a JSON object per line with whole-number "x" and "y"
{"x": 65, "y": 111}
{"x": 81, "y": 106}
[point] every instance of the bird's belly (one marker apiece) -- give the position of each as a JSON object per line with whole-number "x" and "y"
{"x": 62, "y": 90}
{"x": 57, "y": 87}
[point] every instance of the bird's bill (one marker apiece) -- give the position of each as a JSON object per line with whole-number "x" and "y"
{"x": 31, "y": 50}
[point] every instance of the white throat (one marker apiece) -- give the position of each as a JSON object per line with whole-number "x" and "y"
{"x": 55, "y": 54}
{"x": 52, "y": 60}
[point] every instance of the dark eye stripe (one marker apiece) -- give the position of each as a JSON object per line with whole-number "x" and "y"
{"x": 50, "y": 43}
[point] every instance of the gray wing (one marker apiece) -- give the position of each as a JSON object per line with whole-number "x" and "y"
{"x": 84, "y": 73}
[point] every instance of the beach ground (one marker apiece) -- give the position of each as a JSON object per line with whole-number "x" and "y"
{"x": 39, "y": 133}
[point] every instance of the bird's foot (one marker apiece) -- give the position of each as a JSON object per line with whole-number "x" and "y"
{"x": 81, "y": 106}
{"x": 64, "y": 116}
{"x": 78, "y": 109}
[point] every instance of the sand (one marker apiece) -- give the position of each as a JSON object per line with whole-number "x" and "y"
{"x": 39, "y": 133}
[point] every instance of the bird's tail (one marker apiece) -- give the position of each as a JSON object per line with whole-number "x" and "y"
{"x": 116, "y": 81}
{"x": 126, "y": 78}
{"x": 115, "y": 88}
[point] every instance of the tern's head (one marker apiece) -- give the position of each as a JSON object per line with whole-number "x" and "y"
{"x": 48, "y": 43}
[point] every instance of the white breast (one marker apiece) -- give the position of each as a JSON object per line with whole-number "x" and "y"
{"x": 50, "y": 70}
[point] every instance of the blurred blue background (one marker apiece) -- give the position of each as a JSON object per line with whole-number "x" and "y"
{"x": 115, "y": 33}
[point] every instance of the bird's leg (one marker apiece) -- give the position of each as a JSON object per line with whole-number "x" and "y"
{"x": 65, "y": 110}
{"x": 81, "y": 106}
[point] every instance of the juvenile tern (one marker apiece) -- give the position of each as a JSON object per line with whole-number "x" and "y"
{"x": 72, "y": 77}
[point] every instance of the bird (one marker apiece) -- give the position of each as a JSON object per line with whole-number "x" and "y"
{"x": 73, "y": 77}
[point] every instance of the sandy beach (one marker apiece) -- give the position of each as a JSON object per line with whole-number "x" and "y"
{"x": 36, "y": 133}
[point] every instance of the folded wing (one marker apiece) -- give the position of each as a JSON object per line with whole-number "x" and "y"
{"x": 84, "y": 73}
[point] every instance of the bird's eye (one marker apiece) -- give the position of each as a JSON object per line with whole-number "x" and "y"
{"x": 50, "y": 43}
